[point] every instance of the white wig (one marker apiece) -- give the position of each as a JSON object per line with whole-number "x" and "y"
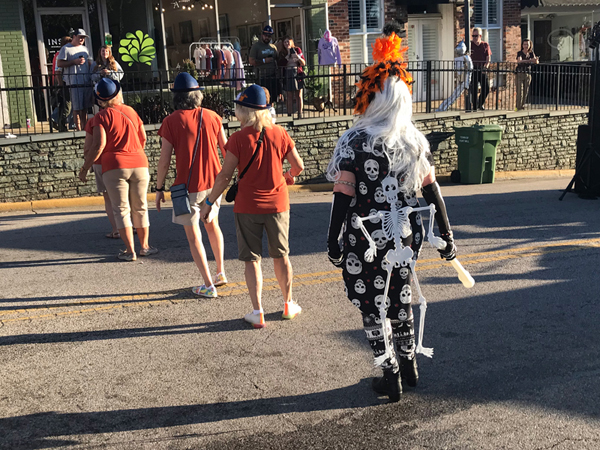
{"x": 387, "y": 123}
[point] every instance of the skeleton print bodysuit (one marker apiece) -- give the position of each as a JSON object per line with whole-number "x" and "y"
{"x": 365, "y": 281}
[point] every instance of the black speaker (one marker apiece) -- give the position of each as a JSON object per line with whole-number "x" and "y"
{"x": 587, "y": 163}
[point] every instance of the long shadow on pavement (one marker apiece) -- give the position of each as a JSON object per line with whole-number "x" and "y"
{"x": 127, "y": 333}
{"x": 34, "y": 429}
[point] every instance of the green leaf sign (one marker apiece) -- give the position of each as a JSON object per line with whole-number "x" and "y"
{"x": 138, "y": 47}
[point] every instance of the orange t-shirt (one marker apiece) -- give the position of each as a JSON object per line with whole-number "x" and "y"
{"x": 263, "y": 189}
{"x": 181, "y": 129}
{"x": 123, "y": 138}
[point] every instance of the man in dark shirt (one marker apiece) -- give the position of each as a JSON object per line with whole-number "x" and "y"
{"x": 263, "y": 56}
{"x": 481, "y": 55}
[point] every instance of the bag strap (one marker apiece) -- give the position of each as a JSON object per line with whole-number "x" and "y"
{"x": 195, "y": 148}
{"x": 131, "y": 122}
{"x": 258, "y": 144}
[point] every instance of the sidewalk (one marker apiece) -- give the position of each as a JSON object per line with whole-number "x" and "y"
{"x": 299, "y": 188}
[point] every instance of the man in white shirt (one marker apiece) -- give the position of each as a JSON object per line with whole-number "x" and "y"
{"x": 75, "y": 62}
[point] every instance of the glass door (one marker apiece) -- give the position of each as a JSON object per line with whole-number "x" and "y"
{"x": 315, "y": 20}
{"x": 54, "y": 23}
{"x": 54, "y": 28}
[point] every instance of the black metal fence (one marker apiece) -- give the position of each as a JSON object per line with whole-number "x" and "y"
{"x": 35, "y": 104}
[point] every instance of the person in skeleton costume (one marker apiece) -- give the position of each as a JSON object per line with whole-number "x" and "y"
{"x": 377, "y": 168}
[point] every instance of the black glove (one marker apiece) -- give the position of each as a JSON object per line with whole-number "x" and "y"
{"x": 432, "y": 194}
{"x": 449, "y": 253}
{"x": 339, "y": 210}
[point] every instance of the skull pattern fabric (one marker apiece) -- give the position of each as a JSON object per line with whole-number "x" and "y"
{"x": 365, "y": 281}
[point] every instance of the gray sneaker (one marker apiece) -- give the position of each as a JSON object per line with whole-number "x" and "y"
{"x": 124, "y": 256}
{"x": 148, "y": 251}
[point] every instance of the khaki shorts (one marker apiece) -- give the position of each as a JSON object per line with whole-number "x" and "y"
{"x": 196, "y": 201}
{"x": 249, "y": 230}
{"x": 98, "y": 174}
{"x": 127, "y": 190}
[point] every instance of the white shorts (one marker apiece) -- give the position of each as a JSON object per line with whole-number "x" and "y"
{"x": 196, "y": 201}
{"x": 98, "y": 174}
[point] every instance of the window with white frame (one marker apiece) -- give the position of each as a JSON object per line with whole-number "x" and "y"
{"x": 365, "y": 18}
{"x": 487, "y": 15}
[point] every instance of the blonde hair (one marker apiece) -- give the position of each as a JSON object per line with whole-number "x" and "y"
{"x": 479, "y": 30}
{"x": 257, "y": 118}
{"x": 116, "y": 100}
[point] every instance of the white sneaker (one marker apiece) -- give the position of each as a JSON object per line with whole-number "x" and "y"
{"x": 257, "y": 320}
{"x": 290, "y": 310}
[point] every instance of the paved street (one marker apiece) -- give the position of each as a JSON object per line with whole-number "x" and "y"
{"x": 96, "y": 353}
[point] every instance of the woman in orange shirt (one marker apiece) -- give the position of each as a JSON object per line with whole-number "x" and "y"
{"x": 179, "y": 133}
{"x": 262, "y": 202}
{"x": 119, "y": 137}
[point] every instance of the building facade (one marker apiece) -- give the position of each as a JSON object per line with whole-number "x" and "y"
{"x": 559, "y": 28}
{"x": 152, "y": 35}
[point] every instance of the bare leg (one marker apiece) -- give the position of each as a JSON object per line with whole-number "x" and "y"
{"x": 198, "y": 254}
{"x": 284, "y": 275}
{"x": 83, "y": 118}
{"x": 254, "y": 282}
{"x": 143, "y": 233}
{"x": 215, "y": 236}
{"x": 77, "y": 119}
{"x": 109, "y": 212}
{"x": 127, "y": 237}
{"x": 289, "y": 102}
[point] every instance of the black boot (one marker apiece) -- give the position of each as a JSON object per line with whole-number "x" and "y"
{"x": 389, "y": 384}
{"x": 408, "y": 371}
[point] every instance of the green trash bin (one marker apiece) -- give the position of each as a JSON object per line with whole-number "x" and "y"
{"x": 477, "y": 152}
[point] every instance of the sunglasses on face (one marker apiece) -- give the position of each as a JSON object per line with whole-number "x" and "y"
{"x": 475, "y": 35}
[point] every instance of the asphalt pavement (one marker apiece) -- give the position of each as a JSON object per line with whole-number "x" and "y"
{"x": 96, "y": 353}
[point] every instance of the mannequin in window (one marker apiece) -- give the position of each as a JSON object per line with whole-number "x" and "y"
{"x": 329, "y": 50}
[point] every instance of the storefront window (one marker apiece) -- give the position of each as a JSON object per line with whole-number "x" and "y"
{"x": 187, "y": 22}
{"x": 128, "y": 16}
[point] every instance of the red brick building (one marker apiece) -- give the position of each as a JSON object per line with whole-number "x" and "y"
{"x": 433, "y": 27}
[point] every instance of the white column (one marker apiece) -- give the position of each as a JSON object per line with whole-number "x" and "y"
{"x": 363, "y": 15}
{"x": 528, "y": 26}
{"x": 217, "y": 22}
{"x": 164, "y": 36}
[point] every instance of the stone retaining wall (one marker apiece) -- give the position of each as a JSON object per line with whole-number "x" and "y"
{"x": 46, "y": 166}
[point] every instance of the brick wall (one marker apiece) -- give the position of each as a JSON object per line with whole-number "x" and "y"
{"x": 47, "y": 166}
{"x": 511, "y": 33}
{"x": 338, "y": 25}
{"x": 511, "y": 28}
{"x": 13, "y": 64}
{"x": 389, "y": 10}
{"x": 459, "y": 23}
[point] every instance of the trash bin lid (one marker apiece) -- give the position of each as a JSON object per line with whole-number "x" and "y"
{"x": 490, "y": 127}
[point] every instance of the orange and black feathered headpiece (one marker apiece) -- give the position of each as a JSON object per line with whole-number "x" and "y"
{"x": 387, "y": 61}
